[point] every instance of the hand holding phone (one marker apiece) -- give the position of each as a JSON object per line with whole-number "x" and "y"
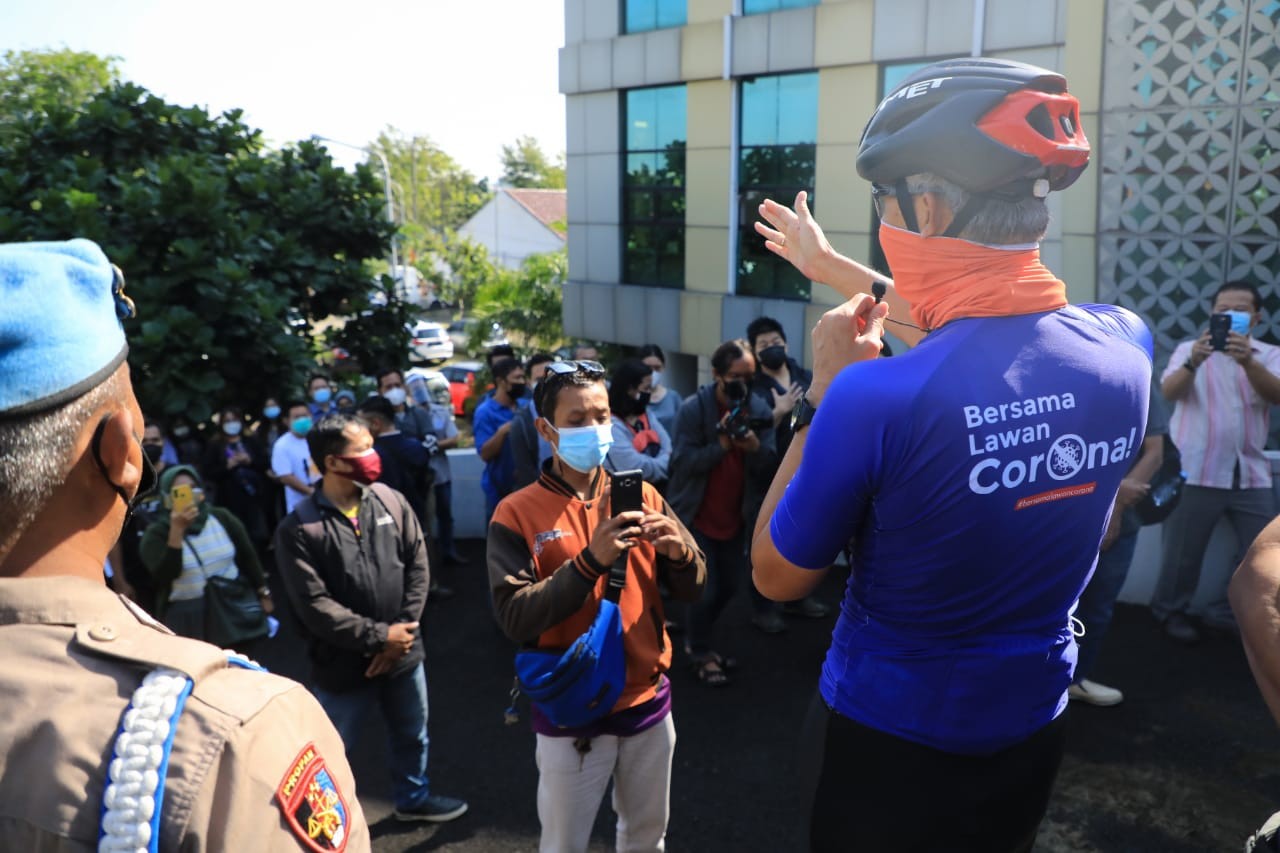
{"x": 1219, "y": 325}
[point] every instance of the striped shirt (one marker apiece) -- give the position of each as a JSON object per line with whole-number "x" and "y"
{"x": 1221, "y": 421}
{"x": 209, "y": 553}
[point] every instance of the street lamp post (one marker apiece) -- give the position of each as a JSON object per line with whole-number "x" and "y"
{"x": 386, "y": 176}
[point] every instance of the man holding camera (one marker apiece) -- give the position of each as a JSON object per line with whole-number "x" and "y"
{"x": 1222, "y": 385}
{"x": 722, "y": 460}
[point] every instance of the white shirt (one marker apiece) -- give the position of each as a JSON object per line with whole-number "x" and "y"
{"x": 290, "y": 455}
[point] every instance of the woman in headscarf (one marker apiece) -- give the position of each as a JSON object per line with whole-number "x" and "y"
{"x": 193, "y": 542}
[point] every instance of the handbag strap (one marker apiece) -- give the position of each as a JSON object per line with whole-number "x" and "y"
{"x": 617, "y": 578}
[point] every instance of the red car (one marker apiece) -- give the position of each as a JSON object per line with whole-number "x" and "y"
{"x": 462, "y": 383}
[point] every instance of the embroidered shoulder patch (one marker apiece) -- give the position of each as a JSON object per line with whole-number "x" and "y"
{"x": 541, "y": 539}
{"x": 312, "y": 804}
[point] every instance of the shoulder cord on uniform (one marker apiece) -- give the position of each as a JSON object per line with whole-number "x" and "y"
{"x": 132, "y": 802}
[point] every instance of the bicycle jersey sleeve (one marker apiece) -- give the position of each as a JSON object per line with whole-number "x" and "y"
{"x": 1123, "y": 323}
{"x": 827, "y": 498}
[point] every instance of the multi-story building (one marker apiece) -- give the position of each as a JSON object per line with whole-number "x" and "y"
{"x": 683, "y": 114}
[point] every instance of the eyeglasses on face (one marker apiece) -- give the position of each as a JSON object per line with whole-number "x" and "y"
{"x": 878, "y": 193}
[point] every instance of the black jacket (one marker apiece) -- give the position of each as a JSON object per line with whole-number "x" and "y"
{"x": 346, "y": 589}
{"x": 696, "y": 450}
{"x": 763, "y": 385}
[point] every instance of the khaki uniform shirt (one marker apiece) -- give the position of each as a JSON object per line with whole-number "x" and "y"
{"x": 72, "y": 654}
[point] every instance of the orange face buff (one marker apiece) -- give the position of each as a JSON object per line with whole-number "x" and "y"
{"x": 945, "y": 278}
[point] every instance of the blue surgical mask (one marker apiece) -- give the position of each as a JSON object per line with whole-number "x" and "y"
{"x": 232, "y": 428}
{"x": 657, "y": 378}
{"x": 301, "y": 426}
{"x": 1240, "y": 321}
{"x": 322, "y": 395}
{"x": 584, "y": 448}
{"x": 271, "y": 412}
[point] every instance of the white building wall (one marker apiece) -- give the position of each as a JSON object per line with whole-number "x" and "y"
{"x": 509, "y": 231}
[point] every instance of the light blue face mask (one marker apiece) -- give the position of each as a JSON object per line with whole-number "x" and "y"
{"x": 322, "y": 395}
{"x": 1240, "y": 321}
{"x": 584, "y": 448}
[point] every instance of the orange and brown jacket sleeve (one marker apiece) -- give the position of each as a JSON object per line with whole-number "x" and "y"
{"x": 525, "y": 605}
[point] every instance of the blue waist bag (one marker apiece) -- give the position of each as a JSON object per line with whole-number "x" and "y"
{"x": 580, "y": 684}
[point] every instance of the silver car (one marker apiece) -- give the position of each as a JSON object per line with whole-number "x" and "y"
{"x": 430, "y": 343}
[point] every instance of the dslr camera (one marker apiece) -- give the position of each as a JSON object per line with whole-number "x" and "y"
{"x": 739, "y": 422}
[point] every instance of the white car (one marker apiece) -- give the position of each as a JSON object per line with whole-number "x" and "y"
{"x": 429, "y": 342}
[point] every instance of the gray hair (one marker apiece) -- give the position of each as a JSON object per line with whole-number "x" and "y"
{"x": 998, "y": 222}
{"x": 35, "y": 456}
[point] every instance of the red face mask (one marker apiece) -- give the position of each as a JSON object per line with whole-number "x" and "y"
{"x": 365, "y": 467}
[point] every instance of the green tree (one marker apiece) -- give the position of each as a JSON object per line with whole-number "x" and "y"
{"x": 435, "y": 192}
{"x": 35, "y": 81}
{"x": 526, "y": 165}
{"x": 230, "y": 251}
{"x": 528, "y": 301}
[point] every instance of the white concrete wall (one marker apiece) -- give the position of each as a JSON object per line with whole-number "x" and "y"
{"x": 509, "y": 231}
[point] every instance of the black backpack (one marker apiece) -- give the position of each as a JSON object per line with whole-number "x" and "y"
{"x": 1166, "y": 487}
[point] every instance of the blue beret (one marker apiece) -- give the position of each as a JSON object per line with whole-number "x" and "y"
{"x": 60, "y": 332}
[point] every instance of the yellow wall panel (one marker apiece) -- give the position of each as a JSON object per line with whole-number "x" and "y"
{"x": 842, "y": 200}
{"x": 702, "y": 51}
{"x": 710, "y": 114}
{"x": 846, "y": 99}
{"x": 843, "y": 33}
{"x": 699, "y": 322}
{"x": 698, "y": 11}
{"x": 707, "y": 187}
{"x": 706, "y": 259}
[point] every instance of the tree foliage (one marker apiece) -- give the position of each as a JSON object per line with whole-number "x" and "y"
{"x": 527, "y": 302}
{"x": 435, "y": 192}
{"x": 526, "y": 166}
{"x": 222, "y": 243}
{"x": 35, "y": 81}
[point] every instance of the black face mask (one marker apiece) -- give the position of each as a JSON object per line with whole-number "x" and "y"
{"x": 642, "y": 402}
{"x": 773, "y": 357}
{"x": 146, "y": 484}
{"x": 735, "y": 390}
{"x": 517, "y": 390}
{"x": 153, "y": 451}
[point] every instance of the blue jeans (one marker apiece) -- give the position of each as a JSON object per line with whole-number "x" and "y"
{"x": 403, "y": 701}
{"x": 1098, "y": 601}
{"x": 444, "y": 517}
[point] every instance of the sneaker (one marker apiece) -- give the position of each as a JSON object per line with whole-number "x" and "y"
{"x": 435, "y": 809}
{"x": 810, "y": 608}
{"x": 1179, "y": 627}
{"x": 1093, "y": 693}
{"x": 770, "y": 621}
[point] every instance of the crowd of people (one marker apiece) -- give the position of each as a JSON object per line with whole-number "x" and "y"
{"x": 985, "y": 489}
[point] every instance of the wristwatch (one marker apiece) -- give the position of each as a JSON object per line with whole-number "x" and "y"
{"x": 802, "y": 414}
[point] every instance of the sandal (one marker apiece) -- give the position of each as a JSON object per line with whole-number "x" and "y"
{"x": 710, "y": 673}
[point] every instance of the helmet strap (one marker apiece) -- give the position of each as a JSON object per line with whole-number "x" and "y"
{"x": 907, "y": 205}
{"x": 962, "y": 216}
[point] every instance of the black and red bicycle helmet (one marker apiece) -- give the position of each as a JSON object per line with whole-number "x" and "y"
{"x": 993, "y": 127}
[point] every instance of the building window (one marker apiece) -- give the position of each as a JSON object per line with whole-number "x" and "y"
{"x": 778, "y": 137}
{"x": 760, "y": 7}
{"x": 653, "y": 186}
{"x": 642, "y": 15}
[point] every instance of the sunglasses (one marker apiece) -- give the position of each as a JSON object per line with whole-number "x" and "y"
{"x": 589, "y": 369}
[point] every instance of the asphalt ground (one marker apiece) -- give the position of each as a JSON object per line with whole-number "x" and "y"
{"x": 1188, "y": 763}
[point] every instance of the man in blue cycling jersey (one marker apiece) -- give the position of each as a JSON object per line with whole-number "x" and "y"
{"x": 970, "y": 479}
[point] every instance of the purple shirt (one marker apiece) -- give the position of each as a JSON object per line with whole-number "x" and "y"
{"x": 632, "y": 721}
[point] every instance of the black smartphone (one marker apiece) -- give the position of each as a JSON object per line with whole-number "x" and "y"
{"x": 625, "y": 492}
{"x": 1219, "y": 325}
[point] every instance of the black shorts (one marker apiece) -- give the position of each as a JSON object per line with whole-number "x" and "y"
{"x": 872, "y": 791}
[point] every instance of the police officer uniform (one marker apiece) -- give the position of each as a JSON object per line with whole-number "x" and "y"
{"x": 116, "y": 734}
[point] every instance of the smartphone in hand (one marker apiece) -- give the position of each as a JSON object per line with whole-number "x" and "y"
{"x": 1219, "y": 325}
{"x": 182, "y": 497}
{"x": 625, "y": 492}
